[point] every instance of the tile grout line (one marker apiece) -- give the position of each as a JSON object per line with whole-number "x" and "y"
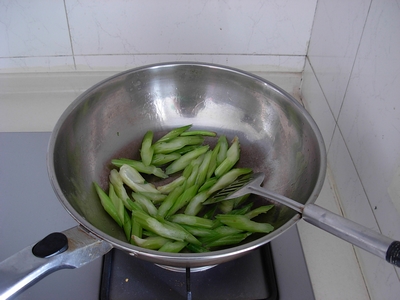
{"x": 69, "y": 33}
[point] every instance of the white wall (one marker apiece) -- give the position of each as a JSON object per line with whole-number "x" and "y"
{"x": 351, "y": 85}
{"x": 69, "y": 35}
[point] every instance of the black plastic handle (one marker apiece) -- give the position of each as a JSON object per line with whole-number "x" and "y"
{"x": 393, "y": 253}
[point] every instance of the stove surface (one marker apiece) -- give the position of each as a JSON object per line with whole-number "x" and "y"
{"x": 29, "y": 210}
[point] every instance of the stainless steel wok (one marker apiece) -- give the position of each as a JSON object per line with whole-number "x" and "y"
{"x": 278, "y": 137}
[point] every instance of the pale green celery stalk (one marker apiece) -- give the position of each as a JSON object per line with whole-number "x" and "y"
{"x": 169, "y": 187}
{"x": 208, "y": 184}
{"x": 242, "y": 210}
{"x": 136, "y": 228}
{"x": 203, "y": 168}
{"x": 107, "y": 204}
{"x": 183, "y": 199}
{"x": 155, "y": 197}
{"x": 173, "y": 247}
{"x": 173, "y": 133}
{"x": 213, "y": 161}
{"x": 170, "y": 200}
{"x": 195, "y": 204}
{"x": 160, "y": 159}
{"x": 194, "y": 170}
{"x": 188, "y": 170}
{"x": 226, "y": 206}
{"x": 130, "y": 174}
{"x": 189, "y": 237}
{"x": 127, "y": 225}
{"x": 117, "y": 202}
{"x": 145, "y": 203}
{"x": 232, "y": 157}
{"x": 244, "y": 223}
{"x": 177, "y": 143}
{"x": 185, "y": 160}
{"x": 228, "y": 240}
{"x": 226, "y": 230}
{"x": 257, "y": 211}
{"x": 186, "y": 149}
{"x": 152, "y": 242}
{"x": 139, "y": 166}
{"x": 119, "y": 188}
{"x": 196, "y": 248}
{"x": 191, "y": 220}
{"x": 163, "y": 229}
{"x": 130, "y": 178}
{"x": 223, "y": 148}
{"x": 240, "y": 200}
{"x": 199, "y": 132}
{"x": 146, "y": 150}
{"x": 228, "y": 178}
{"x": 191, "y": 180}
{"x": 201, "y": 231}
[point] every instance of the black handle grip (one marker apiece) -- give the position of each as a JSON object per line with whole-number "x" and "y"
{"x": 393, "y": 253}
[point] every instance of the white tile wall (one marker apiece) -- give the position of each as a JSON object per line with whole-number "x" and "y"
{"x": 355, "y": 57}
{"x": 57, "y": 35}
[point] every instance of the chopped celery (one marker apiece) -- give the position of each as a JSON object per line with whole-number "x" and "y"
{"x": 185, "y": 160}
{"x": 152, "y": 242}
{"x": 145, "y": 203}
{"x": 192, "y": 220}
{"x": 173, "y": 133}
{"x": 146, "y": 150}
{"x": 139, "y": 166}
{"x": 244, "y": 223}
{"x": 169, "y": 187}
{"x": 228, "y": 178}
{"x": 177, "y": 143}
{"x": 232, "y": 157}
{"x": 199, "y": 132}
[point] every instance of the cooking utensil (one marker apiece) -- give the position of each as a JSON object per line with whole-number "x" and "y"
{"x": 345, "y": 229}
{"x": 278, "y": 137}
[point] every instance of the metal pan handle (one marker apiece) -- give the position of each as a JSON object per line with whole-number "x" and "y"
{"x": 70, "y": 249}
{"x": 354, "y": 233}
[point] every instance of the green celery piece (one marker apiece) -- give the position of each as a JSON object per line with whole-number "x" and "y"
{"x": 116, "y": 181}
{"x": 161, "y": 159}
{"x": 155, "y": 197}
{"x": 192, "y": 220}
{"x": 131, "y": 178}
{"x": 223, "y": 148}
{"x": 208, "y": 184}
{"x": 139, "y": 166}
{"x": 177, "y": 143}
{"x": 195, "y": 204}
{"x": 199, "y": 132}
{"x": 152, "y": 242}
{"x": 242, "y": 210}
{"x": 201, "y": 231}
{"x": 169, "y": 187}
{"x": 146, "y": 150}
{"x": 136, "y": 228}
{"x": 196, "y": 248}
{"x": 185, "y": 149}
{"x": 185, "y": 160}
{"x": 226, "y": 230}
{"x": 244, "y": 223}
{"x": 107, "y": 204}
{"x": 127, "y": 226}
{"x": 213, "y": 161}
{"x": 240, "y": 200}
{"x": 117, "y": 202}
{"x": 226, "y": 206}
{"x": 259, "y": 210}
{"x": 129, "y": 174}
{"x": 145, "y": 203}
{"x": 183, "y": 199}
{"x": 173, "y": 246}
{"x": 152, "y": 224}
{"x": 170, "y": 200}
{"x": 173, "y": 133}
{"x": 228, "y": 178}
{"x": 232, "y": 157}
{"x": 203, "y": 169}
{"x": 228, "y": 240}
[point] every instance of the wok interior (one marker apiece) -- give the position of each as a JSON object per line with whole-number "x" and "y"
{"x": 109, "y": 120}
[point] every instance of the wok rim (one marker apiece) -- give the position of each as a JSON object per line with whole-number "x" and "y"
{"x": 202, "y": 259}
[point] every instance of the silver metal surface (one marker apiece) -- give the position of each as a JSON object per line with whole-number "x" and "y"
{"x": 23, "y": 269}
{"x": 277, "y": 135}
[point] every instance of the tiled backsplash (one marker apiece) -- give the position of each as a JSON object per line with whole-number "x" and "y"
{"x": 70, "y": 35}
{"x": 351, "y": 85}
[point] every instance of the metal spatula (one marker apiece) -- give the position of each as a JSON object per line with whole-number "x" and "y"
{"x": 343, "y": 228}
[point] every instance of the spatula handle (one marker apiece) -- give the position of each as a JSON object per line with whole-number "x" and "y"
{"x": 354, "y": 233}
